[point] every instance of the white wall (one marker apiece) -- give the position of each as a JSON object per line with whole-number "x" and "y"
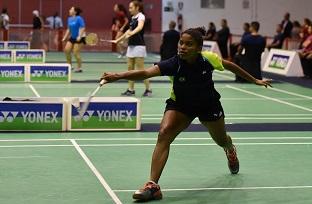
{"x": 267, "y": 12}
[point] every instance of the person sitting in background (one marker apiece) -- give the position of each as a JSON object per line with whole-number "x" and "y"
{"x": 234, "y": 46}
{"x": 295, "y": 33}
{"x": 251, "y": 48}
{"x": 295, "y": 36}
{"x": 278, "y": 40}
{"x": 222, "y": 38}
{"x": 170, "y": 42}
{"x": 211, "y": 33}
{"x": 306, "y": 63}
{"x": 4, "y": 23}
{"x": 307, "y": 44}
{"x": 304, "y": 32}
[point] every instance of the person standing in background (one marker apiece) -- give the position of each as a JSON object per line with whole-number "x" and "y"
{"x": 136, "y": 51}
{"x": 4, "y": 24}
{"x": 76, "y": 34}
{"x": 223, "y": 37}
{"x": 254, "y": 45}
{"x": 211, "y": 33}
{"x": 121, "y": 27}
{"x": 55, "y": 24}
{"x": 287, "y": 26}
{"x": 36, "y": 39}
{"x": 169, "y": 46}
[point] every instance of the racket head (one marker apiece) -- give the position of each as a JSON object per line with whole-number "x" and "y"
{"x": 92, "y": 39}
{"x": 84, "y": 107}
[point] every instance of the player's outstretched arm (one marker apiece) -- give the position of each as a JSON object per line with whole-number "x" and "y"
{"x": 132, "y": 75}
{"x": 242, "y": 73}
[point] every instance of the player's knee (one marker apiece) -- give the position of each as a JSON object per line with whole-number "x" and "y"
{"x": 164, "y": 134}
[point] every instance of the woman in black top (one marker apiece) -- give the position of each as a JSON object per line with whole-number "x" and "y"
{"x": 136, "y": 51}
{"x": 193, "y": 95}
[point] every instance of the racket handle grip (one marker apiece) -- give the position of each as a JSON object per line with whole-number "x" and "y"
{"x": 102, "y": 82}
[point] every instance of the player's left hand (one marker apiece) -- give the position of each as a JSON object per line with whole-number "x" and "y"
{"x": 265, "y": 82}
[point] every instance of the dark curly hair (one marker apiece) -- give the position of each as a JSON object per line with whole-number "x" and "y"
{"x": 197, "y": 34}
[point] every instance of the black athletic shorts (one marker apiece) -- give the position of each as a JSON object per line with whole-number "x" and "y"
{"x": 73, "y": 40}
{"x": 207, "y": 113}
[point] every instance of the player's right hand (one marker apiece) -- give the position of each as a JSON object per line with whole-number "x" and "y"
{"x": 110, "y": 77}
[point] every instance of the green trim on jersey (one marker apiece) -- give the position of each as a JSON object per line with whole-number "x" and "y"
{"x": 214, "y": 60}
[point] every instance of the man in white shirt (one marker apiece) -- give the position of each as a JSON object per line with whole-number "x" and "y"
{"x": 4, "y": 23}
{"x": 4, "y": 19}
{"x": 55, "y": 22}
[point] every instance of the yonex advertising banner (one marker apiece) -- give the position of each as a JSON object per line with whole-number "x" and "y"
{"x": 2, "y": 45}
{"x": 31, "y": 116}
{"x": 279, "y": 61}
{"x": 18, "y": 45}
{"x": 12, "y": 73}
{"x": 104, "y": 115}
{"x": 6, "y": 56}
{"x": 283, "y": 62}
{"x": 30, "y": 56}
{"x": 14, "y": 45}
{"x": 50, "y": 73}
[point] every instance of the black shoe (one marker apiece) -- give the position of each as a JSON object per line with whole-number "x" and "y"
{"x": 233, "y": 162}
{"x": 147, "y": 93}
{"x": 128, "y": 93}
{"x": 150, "y": 191}
{"x": 78, "y": 70}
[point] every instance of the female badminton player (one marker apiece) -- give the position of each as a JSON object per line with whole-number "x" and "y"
{"x": 136, "y": 46}
{"x": 193, "y": 95}
{"x": 76, "y": 34}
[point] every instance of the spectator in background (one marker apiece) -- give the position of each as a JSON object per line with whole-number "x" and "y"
{"x": 278, "y": 40}
{"x": 4, "y": 23}
{"x": 223, "y": 37}
{"x": 295, "y": 33}
{"x": 211, "y": 33}
{"x": 55, "y": 22}
{"x": 306, "y": 54}
{"x": 287, "y": 26}
{"x": 122, "y": 25}
{"x": 234, "y": 46}
{"x": 253, "y": 46}
{"x": 169, "y": 46}
{"x": 304, "y": 32}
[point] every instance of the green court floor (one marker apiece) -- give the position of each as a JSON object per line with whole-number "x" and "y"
{"x": 107, "y": 167}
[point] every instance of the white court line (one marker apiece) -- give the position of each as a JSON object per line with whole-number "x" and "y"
{"x": 96, "y": 173}
{"x": 138, "y": 145}
{"x": 247, "y": 118}
{"x": 232, "y": 99}
{"x": 249, "y": 114}
{"x": 290, "y": 93}
{"x": 229, "y": 188}
{"x": 270, "y": 98}
{"x": 151, "y": 139}
{"x": 22, "y": 157}
{"x": 34, "y": 90}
